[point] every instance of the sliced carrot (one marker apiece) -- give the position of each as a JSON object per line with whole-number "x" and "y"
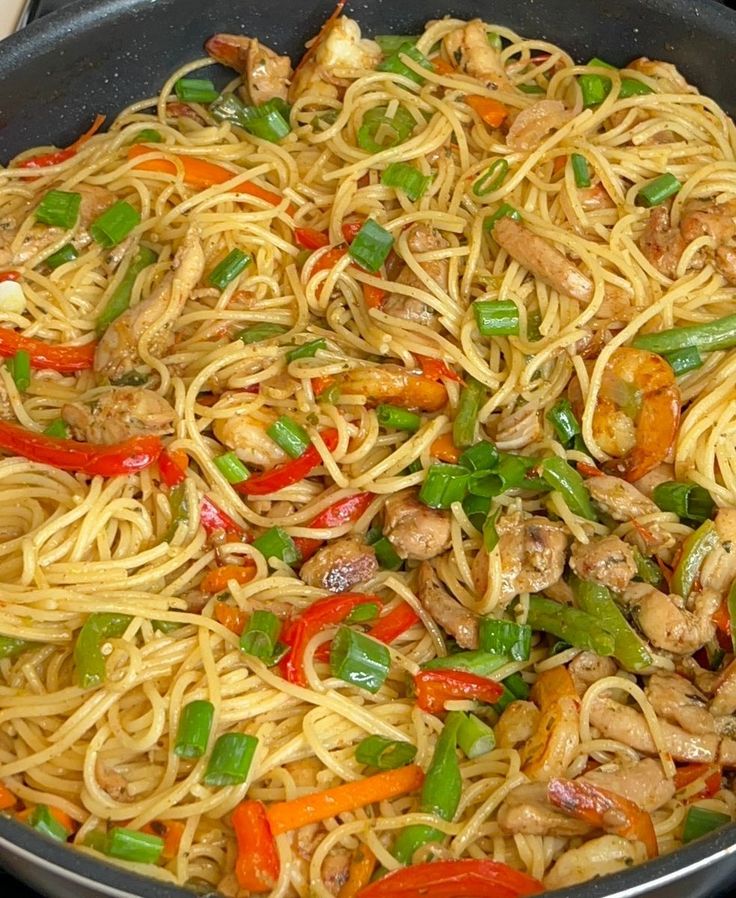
{"x": 558, "y": 166}
{"x": 216, "y": 581}
{"x": 61, "y": 817}
{"x": 171, "y": 831}
{"x": 442, "y": 67}
{"x": 491, "y": 111}
{"x": 232, "y": 618}
{"x": 444, "y": 449}
{"x": 287, "y": 815}
{"x": 7, "y": 799}
{"x": 320, "y": 384}
{"x": 201, "y": 173}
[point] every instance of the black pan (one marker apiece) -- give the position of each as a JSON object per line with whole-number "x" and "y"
{"x": 100, "y": 55}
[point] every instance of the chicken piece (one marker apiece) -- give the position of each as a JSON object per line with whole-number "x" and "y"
{"x": 560, "y": 592}
{"x": 341, "y": 564}
{"x": 95, "y": 200}
{"x": 725, "y": 262}
{"x": 422, "y": 239}
{"x": 517, "y": 724}
{"x": 112, "y": 782}
{"x": 667, "y": 623}
{"x": 246, "y": 435}
{"x": 661, "y": 244}
{"x": 338, "y": 55}
{"x": 533, "y": 124}
{"x": 723, "y": 702}
{"x": 518, "y": 429}
{"x": 542, "y": 259}
{"x": 446, "y": 611}
{"x": 117, "y": 352}
{"x": 596, "y": 857}
{"x": 622, "y": 501}
{"x": 469, "y": 47}
{"x": 701, "y": 219}
{"x": 587, "y": 668}
{"x": 661, "y": 474}
{"x": 119, "y": 414}
{"x": 608, "y": 561}
{"x": 679, "y": 701}
{"x": 670, "y": 77}
{"x": 336, "y": 869}
{"x": 532, "y": 554}
{"x": 526, "y": 811}
{"x": 718, "y": 571}
{"x": 644, "y": 783}
{"x": 625, "y": 724}
{"x": 415, "y": 531}
{"x": 266, "y": 75}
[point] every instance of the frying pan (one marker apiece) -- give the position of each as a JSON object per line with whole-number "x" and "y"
{"x": 100, "y": 55}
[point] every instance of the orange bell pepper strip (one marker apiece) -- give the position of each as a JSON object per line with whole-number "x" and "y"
{"x": 345, "y": 511}
{"x": 491, "y": 111}
{"x": 710, "y": 774}
{"x": 201, "y": 173}
{"x": 329, "y": 259}
{"x": 7, "y": 799}
{"x": 586, "y": 470}
{"x": 559, "y": 164}
{"x": 257, "y": 864}
{"x": 373, "y": 297}
{"x": 362, "y": 865}
{"x": 112, "y": 460}
{"x": 47, "y": 159}
{"x": 442, "y": 67}
{"x": 289, "y": 473}
{"x": 172, "y": 466}
{"x": 171, "y": 831}
{"x": 54, "y": 357}
{"x": 606, "y": 810}
{"x": 435, "y": 687}
{"x": 445, "y": 449}
{"x": 466, "y": 878}
{"x": 216, "y": 581}
{"x": 232, "y": 618}
{"x": 285, "y": 816}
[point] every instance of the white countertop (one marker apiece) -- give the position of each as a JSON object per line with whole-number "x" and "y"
{"x": 10, "y": 11}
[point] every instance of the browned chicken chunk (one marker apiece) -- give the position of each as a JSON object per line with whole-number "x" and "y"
{"x": 608, "y": 561}
{"x": 454, "y": 618}
{"x": 340, "y": 565}
{"x": 415, "y": 531}
{"x": 422, "y": 239}
{"x": 119, "y": 414}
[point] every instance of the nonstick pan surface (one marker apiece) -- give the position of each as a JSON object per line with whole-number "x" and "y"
{"x": 99, "y": 55}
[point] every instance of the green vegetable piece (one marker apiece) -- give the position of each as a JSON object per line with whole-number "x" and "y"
{"x": 290, "y": 436}
{"x": 398, "y": 418}
{"x": 492, "y": 178}
{"x": 231, "y": 266}
{"x": 115, "y": 223}
{"x": 443, "y": 485}
{"x": 580, "y": 170}
{"x": 405, "y": 177}
{"x": 385, "y": 754}
{"x": 232, "y": 468}
{"x": 371, "y": 246}
{"x": 694, "y": 550}
{"x": 660, "y": 189}
{"x": 687, "y": 500}
{"x": 576, "y": 627}
{"x": 260, "y": 637}
{"x": 504, "y": 637}
{"x": 231, "y": 760}
{"x": 497, "y": 317}
{"x": 195, "y": 90}
{"x": 119, "y": 300}
{"x": 193, "y": 733}
{"x": 89, "y": 662}
{"x": 503, "y": 211}
{"x": 10, "y": 647}
{"x": 565, "y": 479}
{"x": 59, "y": 209}
{"x": 276, "y": 543}
{"x": 306, "y": 350}
{"x": 396, "y": 66}
{"x": 61, "y": 257}
{"x": 129, "y": 845}
{"x": 472, "y": 397}
{"x": 258, "y": 332}
{"x": 478, "y": 662}
{"x": 43, "y": 821}
{"x": 684, "y": 360}
{"x": 701, "y": 821}
{"x": 475, "y": 737}
{"x": 359, "y": 660}
{"x": 563, "y": 420}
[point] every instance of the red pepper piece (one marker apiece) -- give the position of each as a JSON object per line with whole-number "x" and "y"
{"x": 711, "y": 774}
{"x": 392, "y": 625}
{"x": 310, "y": 238}
{"x": 172, "y": 467}
{"x": 289, "y": 473}
{"x": 467, "y": 878}
{"x": 350, "y": 230}
{"x": 46, "y": 159}
{"x": 9, "y": 276}
{"x": 435, "y": 687}
{"x": 257, "y": 864}
{"x": 345, "y": 511}
{"x": 57, "y": 357}
{"x": 81, "y": 458}
{"x": 322, "y": 613}
{"x": 436, "y": 369}
{"x": 215, "y": 520}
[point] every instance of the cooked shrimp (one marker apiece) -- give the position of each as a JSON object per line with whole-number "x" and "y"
{"x": 446, "y": 611}
{"x": 394, "y": 385}
{"x": 469, "y": 47}
{"x": 592, "y": 199}
{"x": 667, "y": 623}
{"x": 532, "y": 554}
{"x": 526, "y": 811}
{"x": 266, "y": 74}
{"x": 661, "y": 474}
{"x": 637, "y": 413}
{"x": 534, "y": 123}
{"x": 518, "y": 428}
{"x": 517, "y": 724}
{"x": 587, "y": 668}
{"x": 644, "y": 782}
{"x": 341, "y": 564}
{"x": 246, "y": 434}
{"x": 554, "y": 743}
{"x": 604, "y": 855}
{"x": 608, "y": 561}
{"x": 120, "y": 413}
{"x": 542, "y": 259}
{"x": 668, "y": 74}
{"x": 414, "y": 530}
{"x": 422, "y": 239}
{"x": 676, "y": 699}
{"x": 338, "y": 56}
{"x": 117, "y": 352}
{"x": 718, "y": 570}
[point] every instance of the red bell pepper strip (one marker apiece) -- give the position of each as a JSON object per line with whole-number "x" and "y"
{"x": 172, "y": 467}
{"x": 607, "y": 810}
{"x": 322, "y": 613}
{"x": 392, "y": 625}
{"x": 215, "y": 520}
{"x": 350, "y": 230}
{"x": 329, "y": 259}
{"x": 309, "y": 238}
{"x": 373, "y": 297}
{"x": 345, "y": 511}
{"x": 436, "y": 369}
{"x": 435, "y": 687}
{"x": 257, "y": 864}
{"x": 82, "y": 458}
{"x": 710, "y": 774}
{"x": 289, "y": 473}
{"x": 46, "y": 159}
{"x": 9, "y": 276}
{"x": 57, "y": 357}
{"x": 467, "y": 878}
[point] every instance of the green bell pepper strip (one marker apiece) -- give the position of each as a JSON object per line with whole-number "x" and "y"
{"x": 89, "y": 661}
{"x": 598, "y": 601}
{"x": 566, "y": 480}
{"x": 580, "y": 629}
{"x": 441, "y": 791}
{"x": 478, "y": 662}
{"x": 10, "y": 647}
{"x": 694, "y": 550}
{"x": 718, "y": 334}
{"x": 119, "y": 301}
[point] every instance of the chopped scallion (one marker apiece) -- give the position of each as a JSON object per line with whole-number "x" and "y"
{"x": 482, "y": 456}
{"x": 386, "y": 555}
{"x": 66, "y": 254}
{"x": 443, "y": 485}
{"x": 405, "y": 177}
{"x": 563, "y": 420}
{"x": 660, "y": 189}
{"x": 196, "y": 90}
{"x": 385, "y": 754}
{"x": 130, "y": 845}
{"x": 492, "y": 178}
{"x": 503, "y": 211}
{"x": 231, "y": 266}
{"x": 306, "y": 350}
{"x": 580, "y": 170}
{"x": 263, "y": 331}
{"x": 276, "y": 543}
{"x": 371, "y": 245}
{"x": 497, "y": 317}
{"x": 390, "y": 43}
{"x": 148, "y": 135}
{"x": 565, "y": 479}
{"x": 700, "y": 821}
{"x": 232, "y": 468}
{"x": 475, "y": 737}
{"x": 472, "y": 397}
{"x": 396, "y": 66}
{"x": 289, "y": 436}
{"x": 360, "y": 660}
{"x": 392, "y": 131}
{"x": 43, "y": 821}
{"x": 684, "y": 360}
{"x": 19, "y": 366}
{"x": 260, "y": 637}
{"x": 114, "y": 225}
{"x": 398, "y": 418}
{"x": 194, "y": 728}
{"x": 57, "y": 428}
{"x": 231, "y": 760}
{"x": 59, "y": 209}
{"x": 363, "y": 614}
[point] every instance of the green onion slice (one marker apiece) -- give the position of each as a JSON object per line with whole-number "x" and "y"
{"x": 563, "y": 420}
{"x": 580, "y": 170}
{"x": 385, "y": 754}
{"x": 57, "y": 428}
{"x": 371, "y": 246}
{"x": 472, "y": 397}
{"x": 260, "y": 637}
{"x": 231, "y": 760}
{"x": 289, "y": 436}
{"x": 193, "y": 733}
{"x": 396, "y": 66}
{"x": 475, "y": 737}
{"x": 657, "y": 191}
{"x": 444, "y": 484}
{"x": 276, "y": 543}
{"x": 258, "y": 332}
{"x": 66, "y": 254}
{"x": 398, "y": 418}
{"x": 497, "y": 317}
{"x": 232, "y": 468}
{"x": 386, "y": 555}
{"x": 231, "y": 266}
{"x": 195, "y": 90}
{"x": 19, "y": 366}
{"x": 503, "y": 211}
{"x": 306, "y": 350}
{"x": 359, "y": 660}
{"x": 701, "y": 821}
{"x": 43, "y": 821}
{"x": 391, "y": 131}
{"x": 130, "y": 845}
{"x": 405, "y": 177}
{"x": 114, "y": 225}
{"x": 59, "y": 209}
{"x": 492, "y": 178}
